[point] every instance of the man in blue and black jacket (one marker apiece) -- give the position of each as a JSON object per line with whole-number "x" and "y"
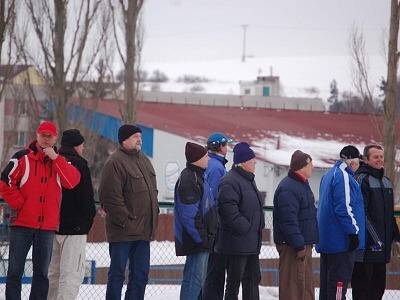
{"x": 195, "y": 220}
{"x": 341, "y": 223}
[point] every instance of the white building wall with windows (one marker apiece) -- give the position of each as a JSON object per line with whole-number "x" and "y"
{"x": 169, "y": 160}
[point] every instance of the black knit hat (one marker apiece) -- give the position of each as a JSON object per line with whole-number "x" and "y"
{"x": 350, "y": 152}
{"x": 194, "y": 152}
{"x": 126, "y": 131}
{"x": 242, "y": 153}
{"x": 299, "y": 160}
{"x": 72, "y": 138}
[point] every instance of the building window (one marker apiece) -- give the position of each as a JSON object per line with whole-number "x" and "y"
{"x": 22, "y": 108}
{"x": 247, "y": 91}
{"x": 266, "y": 91}
{"x": 21, "y": 138}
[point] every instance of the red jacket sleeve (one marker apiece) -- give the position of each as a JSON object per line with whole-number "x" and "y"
{"x": 69, "y": 175}
{"x": 10, "y": 179}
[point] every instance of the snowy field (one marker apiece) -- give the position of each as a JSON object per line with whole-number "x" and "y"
{"x": 225, "y": 74}
{"x": 170, "y": 292}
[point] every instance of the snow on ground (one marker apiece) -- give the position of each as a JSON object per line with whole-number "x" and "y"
{"x": 162, "y": 253}
{"x": 296, "y": 73}
{"x": 171, "y": 292}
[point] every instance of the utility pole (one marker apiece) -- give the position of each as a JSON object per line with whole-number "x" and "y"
{"x": 244, "y": 26}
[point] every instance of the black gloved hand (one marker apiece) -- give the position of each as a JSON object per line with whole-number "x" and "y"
{"x": 353, "y": 242}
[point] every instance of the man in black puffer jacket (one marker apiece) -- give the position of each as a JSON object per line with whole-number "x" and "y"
{"x": 67, "y": 266}
{"x": 240, "y": 210}
{"x": 295, "y": 229}
{"x": 369, "y": 274}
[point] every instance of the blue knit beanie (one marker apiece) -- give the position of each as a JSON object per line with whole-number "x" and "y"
{"x": 242, "y": 153}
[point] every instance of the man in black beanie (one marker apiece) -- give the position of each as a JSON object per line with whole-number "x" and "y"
{"x": 128, "y": 193}
{"x": 295, "y": 229}
{"x": 195, "y": 220}
{"x": 66, "y": 270}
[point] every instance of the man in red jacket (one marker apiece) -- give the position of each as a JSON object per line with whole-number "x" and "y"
{"x": 31, "y": 184}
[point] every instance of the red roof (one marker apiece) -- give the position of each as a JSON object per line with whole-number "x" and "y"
{"x": 251, "y": 124}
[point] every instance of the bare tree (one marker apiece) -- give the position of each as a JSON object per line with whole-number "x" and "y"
{"x": 389, "y": 104}
{"x": 126, "y": 16}
{"x": 360, "y": 68}
{"x": 60, "y": 49}
{"x": 7, "y": 21}
{"x": 7, "y": 18}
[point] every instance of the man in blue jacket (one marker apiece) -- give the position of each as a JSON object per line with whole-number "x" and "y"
{"x": 341, "y": 222}
{"x": 195, "y": 218}
{"x": 295, "y": 229}
{"x": 217, "y": 145}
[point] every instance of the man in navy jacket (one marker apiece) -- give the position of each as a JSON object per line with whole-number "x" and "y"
{"x": 295, "y": 229}
{"x": 240, "y": 211}
{"x": 341, "y": 222}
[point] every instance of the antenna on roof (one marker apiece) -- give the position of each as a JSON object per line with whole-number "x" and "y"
{"x": 244, "y": 26}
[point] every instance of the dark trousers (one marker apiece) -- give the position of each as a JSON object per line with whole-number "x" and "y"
{"x": 213, "y": 288}
{"x": 368, "y": 281}
{"x": 245, "y": 269}
{"x": 138, "y": 253}
{"x": 335, "y": 274}
{"x": 21, "y": 240}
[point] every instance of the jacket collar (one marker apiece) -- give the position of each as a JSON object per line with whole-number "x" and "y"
{"x": 218, "y": 157}
{"x": 367, "y": 169}
{"x": 248, "y": 175}
{"x": 195, "y": 168}
{"x": 298, "y": 177}
{"x": 35, "y": 153}
{"x": 70, "y": 151}
{"x": 342, "y": 165}
{"x": 129, "y": 152}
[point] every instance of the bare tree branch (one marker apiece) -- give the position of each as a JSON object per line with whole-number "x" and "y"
{"x": 114, "y": 26}
{"x": 38, "y": 27}
{"x": 72, "y": 54}
{"x": 82, "y": 42}
{"x": 360, "y": 74}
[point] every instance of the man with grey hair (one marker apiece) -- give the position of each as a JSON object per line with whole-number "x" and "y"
{"x": 369, "y": 274}
{"x": 341, "y": 224}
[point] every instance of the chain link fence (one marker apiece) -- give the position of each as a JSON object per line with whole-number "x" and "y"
{"x": 166, "y": 268}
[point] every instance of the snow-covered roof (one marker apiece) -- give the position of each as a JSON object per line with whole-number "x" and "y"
{"x": 274, "y": 134}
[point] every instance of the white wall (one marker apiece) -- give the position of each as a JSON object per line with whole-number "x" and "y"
{"x": 272, "y": 102}
{"x": 169, "y": 160}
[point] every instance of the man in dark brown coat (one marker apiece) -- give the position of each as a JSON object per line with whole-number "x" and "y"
{"x": 128, "y": 193}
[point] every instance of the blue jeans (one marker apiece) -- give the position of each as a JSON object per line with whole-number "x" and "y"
{"x": 194, "y": 274}
{"x": 138, "y": 253}
{"x": 21, "y": 240}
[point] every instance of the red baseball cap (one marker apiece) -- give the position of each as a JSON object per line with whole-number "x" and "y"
{"x": 47, "y": 127}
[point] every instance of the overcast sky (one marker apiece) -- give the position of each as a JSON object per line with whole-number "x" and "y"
{"x": 211, "y": 29}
